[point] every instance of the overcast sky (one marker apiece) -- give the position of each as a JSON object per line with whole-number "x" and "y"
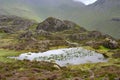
{"x": 87, "y": 2}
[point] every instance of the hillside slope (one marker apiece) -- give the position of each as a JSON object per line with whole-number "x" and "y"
{"x": 97, "y": 16}
{"x": 17, "y": 33}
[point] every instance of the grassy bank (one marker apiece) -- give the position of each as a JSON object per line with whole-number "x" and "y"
{"x": 7, "y": 53}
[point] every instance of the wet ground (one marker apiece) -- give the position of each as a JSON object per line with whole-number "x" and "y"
{"x": 26, "y": 70}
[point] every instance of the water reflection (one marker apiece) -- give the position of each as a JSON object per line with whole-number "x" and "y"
{"x": 65, "y": 56}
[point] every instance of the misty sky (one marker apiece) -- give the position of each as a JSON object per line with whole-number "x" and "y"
{"x": 87, "y": 2}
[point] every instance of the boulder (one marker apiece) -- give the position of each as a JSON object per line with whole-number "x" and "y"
{"x": 111, "y": 44}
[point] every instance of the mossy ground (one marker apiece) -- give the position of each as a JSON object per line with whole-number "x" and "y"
{"x": 14, "y": 69}
{"x": 98, "y": 68}
{"x": 11, "y": 69}
{"x": 7, "y": 53}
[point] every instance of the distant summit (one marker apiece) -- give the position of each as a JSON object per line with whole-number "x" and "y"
{"x": 107, "y": 3}
{"x": 53, "y": 25}
{"x": 86, "y": 2}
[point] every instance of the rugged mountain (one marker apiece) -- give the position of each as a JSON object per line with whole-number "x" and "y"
{"x": 37, "y": 9}
{"x": 98, "y": 16}
{"x": 55, "y": 25}
{"x": 109, "y": 12}
{"x": 106, "y": 3}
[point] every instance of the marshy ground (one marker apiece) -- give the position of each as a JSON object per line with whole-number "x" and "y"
{"x": 11, "y": 69}
{"x": 34, "y": 37}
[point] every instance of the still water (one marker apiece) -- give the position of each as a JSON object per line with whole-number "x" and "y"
{"x": 65, "y": 56}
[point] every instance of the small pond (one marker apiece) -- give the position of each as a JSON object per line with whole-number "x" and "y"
{"x": 65, "y": 56}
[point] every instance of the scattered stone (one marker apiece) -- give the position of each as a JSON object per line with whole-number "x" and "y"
{"x": 56, "y": 66}
{"x": 42, "y": 33}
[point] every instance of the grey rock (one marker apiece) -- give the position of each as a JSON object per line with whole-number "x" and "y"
{"x": 26, "y": 35}
{"x": 53, "y": 25}
{"x": 111, "y": 44}
{"x": 42, "y": 33}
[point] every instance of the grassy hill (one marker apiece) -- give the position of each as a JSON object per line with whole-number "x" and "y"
{"x": 19, "y": 35}
{"x": 97, "y": 16}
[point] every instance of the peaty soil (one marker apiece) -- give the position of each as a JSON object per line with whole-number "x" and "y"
{"x": 26, "y": 70}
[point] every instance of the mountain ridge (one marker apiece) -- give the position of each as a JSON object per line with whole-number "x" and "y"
{"x": 90, "y": 17}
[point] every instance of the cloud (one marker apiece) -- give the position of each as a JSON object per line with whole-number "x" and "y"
{"x": 86, "y": 2}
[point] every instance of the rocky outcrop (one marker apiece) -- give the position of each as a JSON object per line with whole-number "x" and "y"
{"x": 51, "y": 33}
{"x": 87, "y": 36}
{"x": 107, "y": 43}
{"x": 54, "y": 25}
{"x": 26, "y": 35}
{"x": 42, "y": 33}
{"x": 94, "y": 44}
{"x": 111, "y": 44}
{"x": 14, "y": 23}
{"x": 95, "y": 34}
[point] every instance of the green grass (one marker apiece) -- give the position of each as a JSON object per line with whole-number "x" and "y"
{"x": 7, "y": 53}
{"x": 2, "y": 34}
{"x": 33, "y": 27}
{"x": 58, "y": 47}
{"x": 7, "y": 39}
{"x": 41, "y": 37}
{"x": 70, "y": 72}
{"x": 103, "y": 48}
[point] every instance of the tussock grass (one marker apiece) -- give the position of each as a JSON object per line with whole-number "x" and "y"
{"x": 7, "y": 53}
